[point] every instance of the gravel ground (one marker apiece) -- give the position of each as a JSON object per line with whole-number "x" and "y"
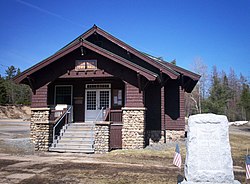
{"x": 20, "y": 164}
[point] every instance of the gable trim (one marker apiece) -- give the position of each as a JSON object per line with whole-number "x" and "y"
{"x": 171, "y": 73}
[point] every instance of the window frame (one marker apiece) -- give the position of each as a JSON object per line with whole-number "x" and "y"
{"x": 71, "y": 93}
{"x": 82, "y": 65}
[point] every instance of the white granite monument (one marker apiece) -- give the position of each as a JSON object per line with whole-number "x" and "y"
{"x": 208, "y": 157}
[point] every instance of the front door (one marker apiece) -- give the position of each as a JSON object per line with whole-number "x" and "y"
{"x": 96, "y": 101}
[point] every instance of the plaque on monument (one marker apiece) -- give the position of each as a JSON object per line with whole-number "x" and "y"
{"x": 208, "y": 156}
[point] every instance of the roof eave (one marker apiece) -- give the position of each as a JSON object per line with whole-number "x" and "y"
{"x": 172, "y": 74}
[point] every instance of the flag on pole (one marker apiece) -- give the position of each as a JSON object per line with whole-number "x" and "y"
{"x": 248, "y": 167}
{"x": 177, "y": 157}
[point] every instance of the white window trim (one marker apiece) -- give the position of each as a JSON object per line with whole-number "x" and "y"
{"x": 104, "y": 84}
{"x": 71, "y": 86}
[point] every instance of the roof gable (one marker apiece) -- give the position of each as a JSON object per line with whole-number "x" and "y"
{"x": 170, "y": 70}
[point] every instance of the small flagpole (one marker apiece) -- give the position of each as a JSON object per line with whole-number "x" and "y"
{"x": 246, "y": 168}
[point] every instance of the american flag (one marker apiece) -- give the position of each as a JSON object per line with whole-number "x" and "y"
{"x": 248, "y": 167}
{"x": 177, "y": 157}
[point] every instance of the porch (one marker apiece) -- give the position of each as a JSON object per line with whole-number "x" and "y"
{"x": 99, "y": 136}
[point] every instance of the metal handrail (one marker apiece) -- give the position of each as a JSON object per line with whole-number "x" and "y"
{"x": 101, "y": 112}
{"x": 59, "y": 121}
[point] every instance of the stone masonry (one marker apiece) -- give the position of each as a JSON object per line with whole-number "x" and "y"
{"x": 133, "y": 130}
{"x": 102, "y": 132}
{"x": 157, "y": 136}
{"x": 175, "y": 135}
{"x": 41, "y": 129}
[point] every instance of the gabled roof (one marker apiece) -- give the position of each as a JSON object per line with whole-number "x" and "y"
{"x": 176, "y": 68}
{"x": 171, "y": 70}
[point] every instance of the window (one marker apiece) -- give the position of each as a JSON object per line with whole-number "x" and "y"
{"x": 104, "y": 99}
{"x": 91, "y": 100}
{"x": 83, "y": 65}
{"x": 63, "y": 95}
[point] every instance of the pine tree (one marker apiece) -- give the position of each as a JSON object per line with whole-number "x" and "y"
{"x": 3, "y": 92}
{"x": 245, "y": 101}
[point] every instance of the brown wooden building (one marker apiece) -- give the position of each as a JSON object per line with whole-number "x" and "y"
{"x": 132, "y": 98}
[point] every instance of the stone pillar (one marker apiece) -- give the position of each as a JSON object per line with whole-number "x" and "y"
{"x": 133, "y": 129}
{"x": 41, "y": 129}
{"x": 102, "y": 133}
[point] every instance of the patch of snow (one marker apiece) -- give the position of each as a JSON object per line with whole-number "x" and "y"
{"x": 237, "y": 123}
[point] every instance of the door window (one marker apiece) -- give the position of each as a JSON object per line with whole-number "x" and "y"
{"x": 91, "y": 100}
{"x": 104, "y": 99}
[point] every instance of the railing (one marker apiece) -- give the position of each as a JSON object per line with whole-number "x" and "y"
{"x": 67, "y": 117}
{"x": 55, "y": 115}
{"x": 100, "y": 115}
{"x": 113, "y": 115}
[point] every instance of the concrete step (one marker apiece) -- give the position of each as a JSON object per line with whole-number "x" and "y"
{"x": 75, "y": 137}
{"x": 76, "y": 129}
{"x": 74, "y": 146}
{"x": 82, "y": 124}
{"x": 62, "y": 150}
{"x": 69, "y": 131}
{"x": 72, "y": 141}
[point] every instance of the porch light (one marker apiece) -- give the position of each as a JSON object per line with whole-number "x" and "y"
{"x": 82, "y": 51}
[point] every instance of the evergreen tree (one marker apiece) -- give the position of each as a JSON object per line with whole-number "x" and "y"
{"x": 245, "y": 101}
{"x": 3, "y": 92}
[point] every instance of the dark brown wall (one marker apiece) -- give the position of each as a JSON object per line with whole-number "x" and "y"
{"x": 79, "y": 93}
{"x": 153, "y": 105}
{"x": 174, "y": 106}
{"x": 110, "y": 46}
{"x": 64, "y": 69}
{"x": 133, "y": 97}
{"x": 39, "y": 99}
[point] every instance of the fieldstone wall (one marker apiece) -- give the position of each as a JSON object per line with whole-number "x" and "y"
{"x": 154, "y": 136}
{"x": 102, "y": 132}
{"x": 41, "y": 129}
{"x": 175, "y": 135}
{"x": 157, "y": 136}
{"x": 133, "y": 129}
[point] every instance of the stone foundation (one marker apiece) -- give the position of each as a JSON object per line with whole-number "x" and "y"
{"x": 154, "y": 136}
{"x": 102, "y": 133}
{"x": 41, "y": 129}
{"x": 133, "y": 129}
{"x": 157, "y": 136}
{"x": 175, "y": 135}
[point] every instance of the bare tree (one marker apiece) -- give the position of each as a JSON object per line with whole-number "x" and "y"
{"x": 200, "y": 92}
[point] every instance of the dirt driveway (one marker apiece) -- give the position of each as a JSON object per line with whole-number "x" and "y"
{"x": 20, "y": 164}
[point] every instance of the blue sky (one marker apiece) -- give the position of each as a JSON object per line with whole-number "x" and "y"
{"x": 217, "y": 31}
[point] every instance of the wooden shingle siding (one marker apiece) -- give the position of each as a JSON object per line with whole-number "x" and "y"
{"x": 134, "y": 98}
{"x": 154, "y": 106}
{"x": 39, "y": 99}
{"x": 163, "y": 126}
{"x": 178, "y": 123}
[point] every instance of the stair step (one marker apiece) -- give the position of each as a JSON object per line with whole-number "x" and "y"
{"x": 71, "y": 150}
{"x": 76, "y": 146}
{"x": 77, "y": 131}
{"x": 75, "y": 137}
{"x": 68, "y": 141}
